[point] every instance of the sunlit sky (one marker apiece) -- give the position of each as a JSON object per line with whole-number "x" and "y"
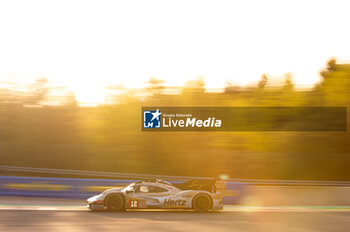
{"x": 87, "y": 45}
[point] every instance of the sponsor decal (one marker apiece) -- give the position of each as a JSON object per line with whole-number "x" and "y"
{"x": 169, "y": 202}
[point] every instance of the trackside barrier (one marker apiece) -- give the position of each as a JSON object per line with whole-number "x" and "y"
{"x": 235, "y": 191}
{"x": 75, "y": 188}
{"x": 132, "y": 176}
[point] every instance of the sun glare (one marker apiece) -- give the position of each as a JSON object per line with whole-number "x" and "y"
{"x": 88, "y": 95}
{"x": 225, "y": 41}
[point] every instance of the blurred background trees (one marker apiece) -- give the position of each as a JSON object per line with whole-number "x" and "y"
{"x": 108, "y": 137}
{"x": 155, "y": 86}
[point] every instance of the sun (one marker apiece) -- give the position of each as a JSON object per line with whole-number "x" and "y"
{"x": 89, "y": 94}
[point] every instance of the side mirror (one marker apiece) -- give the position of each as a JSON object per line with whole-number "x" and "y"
{"x": 129, "y": 191}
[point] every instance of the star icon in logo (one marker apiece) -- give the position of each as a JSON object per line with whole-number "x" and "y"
{"x": 156, "y": 115}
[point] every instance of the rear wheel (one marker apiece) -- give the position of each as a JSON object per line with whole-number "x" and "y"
{"x": 115, "y": 203}
{"x": 201, "y": 202}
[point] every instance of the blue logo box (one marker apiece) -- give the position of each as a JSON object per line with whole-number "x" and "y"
{"x": 151, "y": 119}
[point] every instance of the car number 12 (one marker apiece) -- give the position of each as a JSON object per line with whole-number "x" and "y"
{"x": 134, "y": 204}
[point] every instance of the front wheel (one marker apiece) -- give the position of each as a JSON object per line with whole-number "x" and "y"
{"x": 201, "y": 202}
{"x": 115, "y": 203}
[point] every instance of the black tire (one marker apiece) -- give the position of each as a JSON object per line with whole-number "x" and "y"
{"x": 202, "y": 202}
{"x": 115, "y": 202}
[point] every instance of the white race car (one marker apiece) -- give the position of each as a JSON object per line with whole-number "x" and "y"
{"x": 200, "y": 195}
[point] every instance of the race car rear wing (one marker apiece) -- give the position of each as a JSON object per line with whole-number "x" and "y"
{"x": 212, "y": 186}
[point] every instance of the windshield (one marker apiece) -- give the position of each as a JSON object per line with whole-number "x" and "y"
{"x": 130, "y": 187}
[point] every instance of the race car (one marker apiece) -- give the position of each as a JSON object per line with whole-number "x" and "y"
{"x": 200, "y": 195}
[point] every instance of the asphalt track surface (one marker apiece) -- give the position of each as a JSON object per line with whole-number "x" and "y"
{"x": 35, "y": 214}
